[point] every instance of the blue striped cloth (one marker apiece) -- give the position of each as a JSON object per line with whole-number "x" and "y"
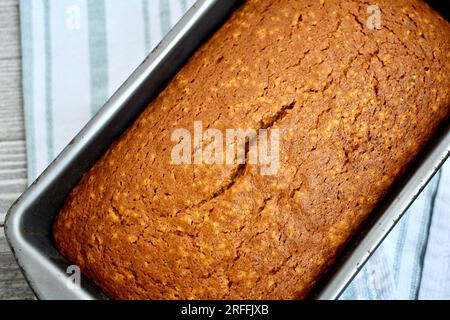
{"x": 76, "y": 53}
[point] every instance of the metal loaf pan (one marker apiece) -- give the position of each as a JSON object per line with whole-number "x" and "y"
{"x": 29, "y": 221}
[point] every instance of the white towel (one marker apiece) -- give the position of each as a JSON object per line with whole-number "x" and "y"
{"x": 76, "y": 53}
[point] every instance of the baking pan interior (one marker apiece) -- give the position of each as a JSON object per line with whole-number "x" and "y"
{"x": 28, "y": 225}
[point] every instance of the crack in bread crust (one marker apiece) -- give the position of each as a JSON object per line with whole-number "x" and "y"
{"x": 353, "y": 106}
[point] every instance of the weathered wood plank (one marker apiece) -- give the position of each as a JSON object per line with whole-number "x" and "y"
{"x": 9, "y": 29}
{"x": 12, "y": 143}
{"x": 13, "y": 177}
{"x": 12, "y": 283}
{"x": 11, "y": 110}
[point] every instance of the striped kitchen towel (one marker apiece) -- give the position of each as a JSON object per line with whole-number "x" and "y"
{"x": 76, "y": 53}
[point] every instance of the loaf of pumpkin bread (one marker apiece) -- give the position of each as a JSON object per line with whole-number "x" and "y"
{"x": 355, "y": 91}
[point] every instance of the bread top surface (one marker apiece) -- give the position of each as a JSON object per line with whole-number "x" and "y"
{"x": 353, "y": 106}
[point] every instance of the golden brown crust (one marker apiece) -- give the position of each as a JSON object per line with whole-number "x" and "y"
{"x": 362, "y": 104}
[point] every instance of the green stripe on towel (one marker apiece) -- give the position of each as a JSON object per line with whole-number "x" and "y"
{"x": 48, "y": 80}
{"x": 423, "y": 235}
{"x": 98, "y": 54}
{"x": 184, "y": 6}
{"x": 164, "y": 16}
{"x": 404, "y": 221}
{"x": 147, "y": 37}
{"x": 427, "y": 234}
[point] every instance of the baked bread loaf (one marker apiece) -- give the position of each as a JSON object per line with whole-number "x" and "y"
{"x": 353, "y": 104}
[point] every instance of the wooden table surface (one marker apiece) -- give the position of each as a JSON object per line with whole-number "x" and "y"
{"x": 13, "y": 176}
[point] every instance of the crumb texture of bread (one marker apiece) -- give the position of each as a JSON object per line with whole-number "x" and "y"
{"x": 354, "y": 106}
